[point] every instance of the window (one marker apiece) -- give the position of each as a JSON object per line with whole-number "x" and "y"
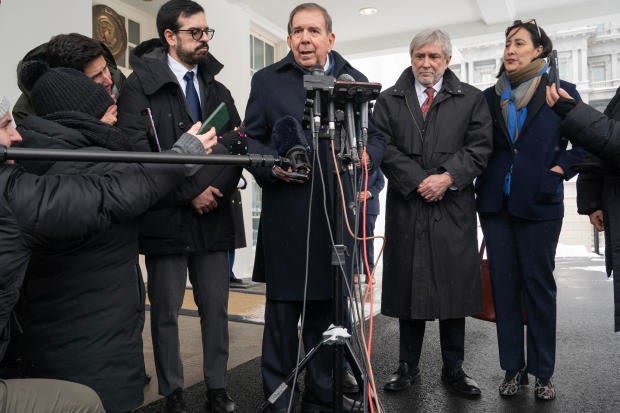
{"x": 133, "y": 39}
{"x": 565, "y": 65}
{"x": 484, "y": 73}
{"x": 599, "y": 70}
{"x": 262, "y": 54}
{"x": 597, "y": 73}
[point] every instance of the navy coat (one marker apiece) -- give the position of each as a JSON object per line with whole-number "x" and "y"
{"x": 376, "y": 182}
{"x": 536, "y": 192}
{"x": 280, "y": 260}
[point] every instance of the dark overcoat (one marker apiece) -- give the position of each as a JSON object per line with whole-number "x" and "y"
{"x": 430, "y": 267}
{"x": 174, "y": 227}
{"x": 598, "y": 184}
{"x": 280, "y": 260}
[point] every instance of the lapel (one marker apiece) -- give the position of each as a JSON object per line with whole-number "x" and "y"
{"x": 536, "y": 103}
{"x": 203, "y": 96}
{"x": 498, "y": 118}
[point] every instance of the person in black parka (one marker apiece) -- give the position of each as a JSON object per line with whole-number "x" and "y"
{"x": 39, "y": 212}
{"x": 82, "y": 306}
{"x": 598, "y": 183}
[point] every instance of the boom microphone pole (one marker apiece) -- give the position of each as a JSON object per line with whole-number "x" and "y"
{"x": 7, "y": 153}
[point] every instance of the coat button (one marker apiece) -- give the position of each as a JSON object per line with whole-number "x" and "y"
{"x": 182, "y": 125}
{"x": 515, "y": 151}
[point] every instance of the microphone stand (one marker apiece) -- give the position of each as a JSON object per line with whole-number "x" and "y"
{"x": 336, "y": 336}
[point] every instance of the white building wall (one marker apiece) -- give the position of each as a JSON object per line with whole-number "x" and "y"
{"x": 25, "y": 24}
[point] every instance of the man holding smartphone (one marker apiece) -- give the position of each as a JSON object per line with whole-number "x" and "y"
{"x": 192, "y": 230}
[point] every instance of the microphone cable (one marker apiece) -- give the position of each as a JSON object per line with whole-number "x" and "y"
{"x": 366, "y": 347}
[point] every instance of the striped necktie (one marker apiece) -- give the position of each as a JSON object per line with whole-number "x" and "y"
{"x": 430, "y": 92}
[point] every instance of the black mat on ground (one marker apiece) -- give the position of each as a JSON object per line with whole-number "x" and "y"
{"x": 587, "y": 374}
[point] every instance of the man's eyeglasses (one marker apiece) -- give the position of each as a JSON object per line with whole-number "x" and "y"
{"x": 519, "y": 23}
{"x": 197, "y": 33}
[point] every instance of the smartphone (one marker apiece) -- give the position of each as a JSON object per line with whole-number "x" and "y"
{"x": 554, "y": 73}
{"x": 217, "y": 119}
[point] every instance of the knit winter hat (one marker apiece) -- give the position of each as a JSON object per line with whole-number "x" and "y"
{"x": 5, "y": 106}
{"x": 62, "y": 89}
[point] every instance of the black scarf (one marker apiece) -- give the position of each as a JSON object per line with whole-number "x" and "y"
{"x": 96, "y": 132}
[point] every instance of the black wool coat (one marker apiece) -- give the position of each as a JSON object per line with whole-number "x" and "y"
{"x": 431, "y": 267}
{"x": 173, "y": 226}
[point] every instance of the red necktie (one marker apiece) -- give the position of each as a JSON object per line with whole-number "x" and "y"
{"x": 428, "y": 102}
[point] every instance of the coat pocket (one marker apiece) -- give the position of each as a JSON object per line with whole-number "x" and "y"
{"x": 551, "y": 189}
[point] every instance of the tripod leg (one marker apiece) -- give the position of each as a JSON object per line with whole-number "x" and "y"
{"x": 358, "y": 371}
{"x": 278, "y": 392}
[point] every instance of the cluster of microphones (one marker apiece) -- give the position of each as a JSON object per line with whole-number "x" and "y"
{"x": 331, "y": 102}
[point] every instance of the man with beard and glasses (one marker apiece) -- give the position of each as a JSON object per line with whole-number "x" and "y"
{"x": 192, "y": 230}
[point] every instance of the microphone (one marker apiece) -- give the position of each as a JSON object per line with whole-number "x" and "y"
{"x": 350, "y": 118}
{"x": 363, "y": 123}
{"x": 317, "y": 70}
{"x": 291, "y": 143}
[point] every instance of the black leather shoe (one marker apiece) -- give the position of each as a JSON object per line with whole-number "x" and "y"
{"x": 459, "y": 381}
{"x": 309, "y": 404}
{"x": 175, "y": 403}
{"x": 218, "y": 401}
{"x": 349, "y": 383}
{"x": 402, "y": 378}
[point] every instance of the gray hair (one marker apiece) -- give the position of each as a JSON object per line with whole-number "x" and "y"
{"x": 429, "y": 36}
{"x": 5, "y": 106}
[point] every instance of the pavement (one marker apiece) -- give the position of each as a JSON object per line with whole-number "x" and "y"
{"x": 587, "y": 375}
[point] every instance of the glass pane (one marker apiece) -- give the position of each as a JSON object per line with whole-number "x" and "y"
{"x": 269, "y": 54}
{"x": 258, "y": 58}
{"x": 133, "y": 32}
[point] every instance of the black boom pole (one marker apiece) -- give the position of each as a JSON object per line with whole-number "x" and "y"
{"x": 142, "y": 157}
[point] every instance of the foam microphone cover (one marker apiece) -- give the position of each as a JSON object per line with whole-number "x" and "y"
{"x": 287, "y": 133}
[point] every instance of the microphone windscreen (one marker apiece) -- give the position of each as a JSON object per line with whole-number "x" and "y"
{"x": 317, "y": 70}
{"x": 345, "y": 77}
{"x": 287, "y": 132}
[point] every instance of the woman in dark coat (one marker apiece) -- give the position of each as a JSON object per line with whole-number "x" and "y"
{"x": 598, "y": 184}
{"x": 520, "y": 205}
{"x": 82, "y": 306}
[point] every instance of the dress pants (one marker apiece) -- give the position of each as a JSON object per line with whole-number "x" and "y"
{"x": 47, "y": 396}
{"x": 451, "y": 337}
{"x": 521, "y": 257}
{"x": 280, "y": 342}
{"x": 209, "y": 276}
